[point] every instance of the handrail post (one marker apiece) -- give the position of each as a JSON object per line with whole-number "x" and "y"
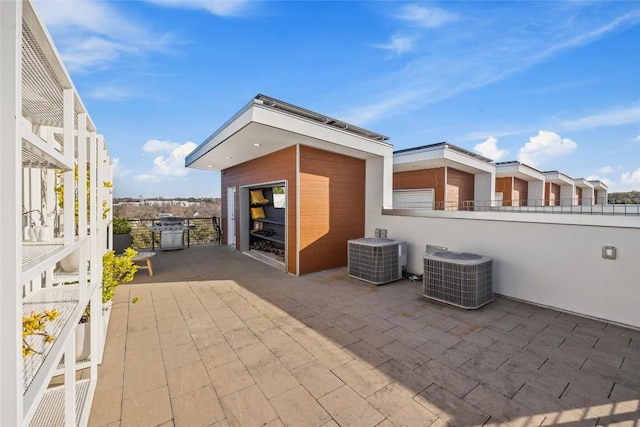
{"x": 188, "y": 234}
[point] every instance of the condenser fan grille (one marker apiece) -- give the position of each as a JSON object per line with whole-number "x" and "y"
{"x": 462, "y": 281}
{"x": 375, "y": 261}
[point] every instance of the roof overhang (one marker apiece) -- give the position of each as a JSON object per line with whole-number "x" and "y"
{"x": 558, "y": 178}
{"x": 266, "y": 125}
{"x": 599, "y": 185}
{"x": 583, "y": 183}
{"x": 518, "y": 170}
{"x": 440, "y": 155}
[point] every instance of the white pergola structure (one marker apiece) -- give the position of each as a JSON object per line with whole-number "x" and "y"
{"x": 46, "y": 133}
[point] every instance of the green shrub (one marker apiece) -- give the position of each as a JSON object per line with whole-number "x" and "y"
{"x": 117, "y": 270}
{"x": 121, "y": 226}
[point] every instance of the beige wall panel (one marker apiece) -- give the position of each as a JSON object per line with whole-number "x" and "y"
{"x": 520, "y": 191}
{"x": 332, "y": 193}
{"x": 551, "y": 194}
{"x": 460, "y": 189}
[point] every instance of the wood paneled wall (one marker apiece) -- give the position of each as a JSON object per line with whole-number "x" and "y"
{"x": 551, "y": 194}
{"x": 515, "y": 191}
{"x": 505, "y": 186}
{"x": 521, "y": 191}
{"x": 579, "y": 195}
{"x": 460, "y": 188}
{"x": 423, "y": 178}
{"x": 332, "y": 207}
{"x": 278, "y": 166}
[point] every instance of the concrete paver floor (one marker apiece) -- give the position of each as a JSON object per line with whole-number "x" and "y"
{"x": 220, "y": 339}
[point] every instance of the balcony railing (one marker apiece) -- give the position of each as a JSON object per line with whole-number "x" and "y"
{"x": 557, "y": 206}
{"x": 200, "y": 231}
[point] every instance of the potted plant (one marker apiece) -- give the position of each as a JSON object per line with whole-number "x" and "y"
{"x": 121, "y": 235}
{"x": 115, "y": 271}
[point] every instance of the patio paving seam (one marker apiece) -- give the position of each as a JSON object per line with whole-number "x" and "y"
{"x": 273, "y": 349}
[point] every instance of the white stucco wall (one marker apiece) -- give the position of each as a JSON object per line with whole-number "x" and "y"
{"x": 567, "y": 195}
{"x": 379, "y": 184}
{"x": 484, "y": 187}
{"x": 554, "y": 264}
{"x": 373, "y": 185}
{"x": 601, "y": 197}
{"x": 536, "y": 193}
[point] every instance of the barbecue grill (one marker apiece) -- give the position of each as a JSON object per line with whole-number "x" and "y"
{"x": 171, "y": 230}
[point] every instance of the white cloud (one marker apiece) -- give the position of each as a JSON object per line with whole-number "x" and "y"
{"x": 93, "y": 16}
{"x": 146, "y": 177}
{"x": 472, "y": 136}
{"x": 628, "y": 181}
{"x": 428, "y": 17}
{"x": 631, "y": 178}
{"x": 545, "y": 146}
{"x": 119, "y": 171}
{"x": 369, "y": 113}
{"x": 585, "y": 37}
{"x": 637, "y": 138}
{"x": 170, "y": 164}
{"x": 157, "y": 146}
{"x": 216, "y": 7}
{"x": 606, "y": 170}
{"x": 112, "y": 92}
{"x": 614, "y": 117}
{"x": 489, "y": 148}
{"x": 94, "y": 34}
{"x": 398, "y": 44}
{"x": 609, "y": 183}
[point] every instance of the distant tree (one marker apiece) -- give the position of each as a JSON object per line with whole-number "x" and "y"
{"x": 203, "y": 231}
{"x": 207, "y": 208}
{"x": 628, "y": 198}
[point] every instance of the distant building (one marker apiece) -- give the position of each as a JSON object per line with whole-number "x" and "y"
{"x": 151, "y": 202}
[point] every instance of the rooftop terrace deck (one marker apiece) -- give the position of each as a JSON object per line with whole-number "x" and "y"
{"x": 221, "y": 339}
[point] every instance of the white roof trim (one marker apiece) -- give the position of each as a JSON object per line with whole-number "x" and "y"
{"x": 439, "y": 156}
{"x": 599, "y": 185}
{"x": 275, "y": 129}
{"x": 518, "y": 170}
{"x": 559, "y": 178}
{"x": 583, "y": 183}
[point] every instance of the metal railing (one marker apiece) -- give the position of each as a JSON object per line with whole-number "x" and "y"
{"x": 200, "y": 231}
{"x": 557, "y": 206}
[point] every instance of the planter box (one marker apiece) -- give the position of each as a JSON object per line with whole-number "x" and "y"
{"x": 121, "y": 242}
{"x": 83, "y": 341}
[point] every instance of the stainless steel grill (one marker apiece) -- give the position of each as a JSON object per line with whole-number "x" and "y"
{"x": 171, "y": 230}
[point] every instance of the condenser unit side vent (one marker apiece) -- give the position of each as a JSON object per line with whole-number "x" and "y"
{"x": 458, "y": 278}
{"x": 376, "y": 260}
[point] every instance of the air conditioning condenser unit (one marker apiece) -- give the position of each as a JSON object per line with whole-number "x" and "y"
{"x": 376, "y": 260}
{"x": 458, "y": 278}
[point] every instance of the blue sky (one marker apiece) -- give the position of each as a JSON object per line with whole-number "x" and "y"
{"x": 553, "y": 84}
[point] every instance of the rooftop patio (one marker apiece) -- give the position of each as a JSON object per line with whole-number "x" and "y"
{"x": 221, "y": 339}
